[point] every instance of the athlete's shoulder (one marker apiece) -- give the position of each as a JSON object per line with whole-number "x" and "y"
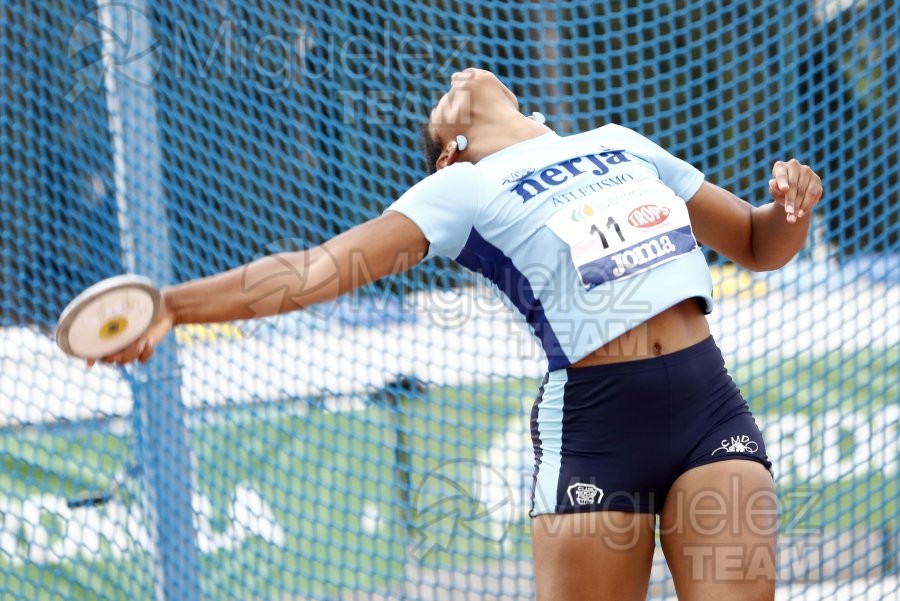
{"x": 456, "y": 174}
{"x": 455, "y": 177}
{"x": 450, "y": 172}
{"x": 456, "y": 183}
{"x": 613, "y": 132}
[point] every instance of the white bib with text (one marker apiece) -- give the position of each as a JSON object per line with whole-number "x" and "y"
{"x": 619, "y": 232}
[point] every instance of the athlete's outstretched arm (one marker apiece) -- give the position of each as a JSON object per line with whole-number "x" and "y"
{"x": 284, "y": 282}
{"x": 758, "y": 238}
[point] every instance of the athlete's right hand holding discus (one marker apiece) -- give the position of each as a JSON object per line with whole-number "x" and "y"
{"x": 142, "y": 349}
{"x": 641, "y": 422}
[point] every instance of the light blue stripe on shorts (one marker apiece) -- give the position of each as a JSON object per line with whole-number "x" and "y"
{"x": 549, "y": 427}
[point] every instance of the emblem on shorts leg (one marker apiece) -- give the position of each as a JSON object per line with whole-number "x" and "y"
{"x": 584, "y": 494}
{"x": 738, "y": 444}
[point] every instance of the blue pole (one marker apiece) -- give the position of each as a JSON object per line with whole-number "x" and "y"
{"x": 163, "y": 441}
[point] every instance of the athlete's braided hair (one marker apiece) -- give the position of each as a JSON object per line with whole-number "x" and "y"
{"x": 431, "y": 148}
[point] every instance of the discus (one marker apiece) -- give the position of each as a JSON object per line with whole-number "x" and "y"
{"x": 107, "y": 317}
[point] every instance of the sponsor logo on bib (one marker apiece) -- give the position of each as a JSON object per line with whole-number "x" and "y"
{"x": 646, "y": 216}
{"x": 643, "y": 254}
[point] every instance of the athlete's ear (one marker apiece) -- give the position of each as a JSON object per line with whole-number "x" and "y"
{"x": 452, "y": 151}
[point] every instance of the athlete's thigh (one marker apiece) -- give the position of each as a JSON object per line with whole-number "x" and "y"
{"x": 718, "y": 530}
{"x": 593, "y": 556}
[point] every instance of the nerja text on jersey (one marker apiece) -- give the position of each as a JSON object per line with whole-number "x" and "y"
{"x": 529, "y": 184}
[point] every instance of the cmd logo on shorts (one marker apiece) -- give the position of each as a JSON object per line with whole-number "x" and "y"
{"x": 584, "y": 494}
{"x": 738, "y": 444}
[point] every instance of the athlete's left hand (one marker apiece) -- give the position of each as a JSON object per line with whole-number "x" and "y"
{"x": 796, "y": 187}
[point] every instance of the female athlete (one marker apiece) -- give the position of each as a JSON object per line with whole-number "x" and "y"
{"x": 637, "y": 417}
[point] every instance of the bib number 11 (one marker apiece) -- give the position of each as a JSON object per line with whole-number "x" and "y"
{"x": 610, "y": 223}
{"x": 619, "y": 232}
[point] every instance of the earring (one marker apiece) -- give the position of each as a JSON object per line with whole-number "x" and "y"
{"x": 539, "y": 117}
{"x": 461, "y": 142}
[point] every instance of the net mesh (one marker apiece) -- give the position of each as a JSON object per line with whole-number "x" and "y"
{"x": 377, "y": 447}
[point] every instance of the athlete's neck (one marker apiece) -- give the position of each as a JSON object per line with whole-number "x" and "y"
{"x": 493, "y": 133}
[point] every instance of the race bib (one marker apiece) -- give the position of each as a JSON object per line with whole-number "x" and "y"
{"x": 619, "y": 232}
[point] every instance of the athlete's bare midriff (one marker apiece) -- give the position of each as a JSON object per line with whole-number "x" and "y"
{"x": 674, "y": 329}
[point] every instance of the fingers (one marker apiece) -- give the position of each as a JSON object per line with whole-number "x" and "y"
{"x": 796, "y": 186}
{"x": 812, "y": 194}
{"x": 785, "y": 176}
{"x": 790, "y": 199}
{"x": 780, "y": 177}
{"x": 141, "y": 350}
{"x": 146, "y": 352}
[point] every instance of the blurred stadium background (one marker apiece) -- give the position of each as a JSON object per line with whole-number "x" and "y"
{"x": 377, "y": 448}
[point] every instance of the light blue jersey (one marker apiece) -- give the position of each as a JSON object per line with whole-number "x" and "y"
{"x": 587, "y": 236}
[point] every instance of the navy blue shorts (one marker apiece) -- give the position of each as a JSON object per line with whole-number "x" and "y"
{"x": 615, "y": 437}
